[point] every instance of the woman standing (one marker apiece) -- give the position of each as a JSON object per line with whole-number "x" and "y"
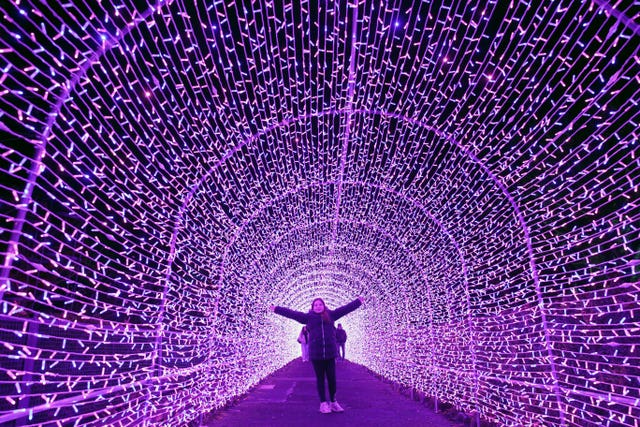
{"x": 322, "y": 344}
{"x": 341, "y": 338}
{"x": 303, "y": 339}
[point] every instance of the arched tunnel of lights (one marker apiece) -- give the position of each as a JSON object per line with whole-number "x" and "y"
{"x": 170, "y": 169}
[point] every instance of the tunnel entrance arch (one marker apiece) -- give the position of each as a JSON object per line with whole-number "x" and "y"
{"x": 17, "y": 230}
{"x": 509, "y": 200}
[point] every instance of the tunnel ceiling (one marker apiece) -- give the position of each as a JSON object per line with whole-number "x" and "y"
{"x": 469, "y": 168}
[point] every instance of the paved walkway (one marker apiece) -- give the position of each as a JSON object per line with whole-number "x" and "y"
{"x": 288, "y": 398}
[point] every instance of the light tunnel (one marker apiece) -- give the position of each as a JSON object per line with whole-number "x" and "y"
{"x": 172, "y": 168}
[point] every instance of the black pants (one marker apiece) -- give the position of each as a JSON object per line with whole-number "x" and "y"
{"x": 341, "y": 350}
{"x": 322, "y": 368}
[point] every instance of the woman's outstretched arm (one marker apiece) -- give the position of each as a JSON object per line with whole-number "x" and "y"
{"x": 346, "y": 309}
{"x": 298, "y": 316}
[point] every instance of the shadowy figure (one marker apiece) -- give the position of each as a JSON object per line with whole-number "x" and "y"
{"x": 322, "y": 344}
{"x": 303, "y": 339}
{"x": 341, "y": 339}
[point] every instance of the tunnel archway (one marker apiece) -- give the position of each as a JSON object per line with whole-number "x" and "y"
{"x": 170, "y": 170}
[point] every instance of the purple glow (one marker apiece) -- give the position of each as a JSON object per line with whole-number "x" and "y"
{"x": 169, "y": 173}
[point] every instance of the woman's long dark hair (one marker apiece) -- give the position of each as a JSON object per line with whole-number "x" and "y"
{"x": 325, "y": 313}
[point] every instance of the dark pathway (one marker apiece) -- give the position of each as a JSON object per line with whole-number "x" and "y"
{"x": 288, "y": 398}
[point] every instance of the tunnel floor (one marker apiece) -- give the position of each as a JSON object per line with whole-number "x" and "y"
{"x": 288, "y": 398}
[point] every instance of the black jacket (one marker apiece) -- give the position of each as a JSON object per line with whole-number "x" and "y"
{"x": 322, "y": 335}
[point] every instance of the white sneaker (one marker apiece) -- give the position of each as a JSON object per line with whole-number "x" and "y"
{"x": 335, "y": 407}
{"x": 325, "y": 408}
